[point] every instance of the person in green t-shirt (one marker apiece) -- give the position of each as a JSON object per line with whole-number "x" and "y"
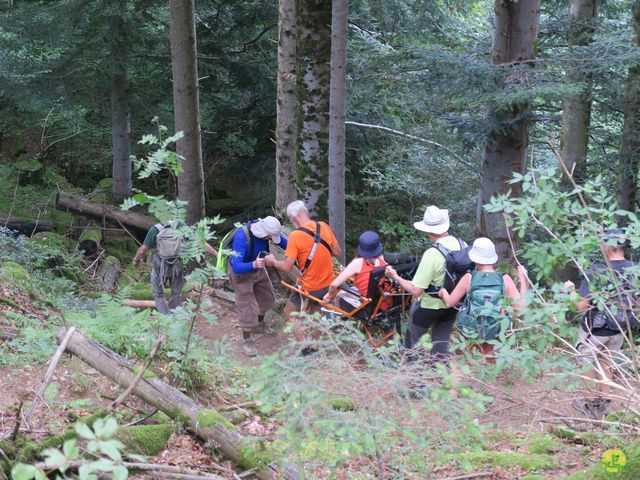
{"x": 429, "y": 312}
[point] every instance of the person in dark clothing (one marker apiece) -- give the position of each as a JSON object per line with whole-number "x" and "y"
{"x": 601, "y": 335}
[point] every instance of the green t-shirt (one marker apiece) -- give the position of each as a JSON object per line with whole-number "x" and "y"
{"x": 150, "y": 239}
{"x": 431, "y": 271}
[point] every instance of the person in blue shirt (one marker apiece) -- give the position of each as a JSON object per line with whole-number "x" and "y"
{"x": 252, "y": 285}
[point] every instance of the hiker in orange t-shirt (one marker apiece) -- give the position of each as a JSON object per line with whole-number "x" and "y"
{"x": 313, "y": 259}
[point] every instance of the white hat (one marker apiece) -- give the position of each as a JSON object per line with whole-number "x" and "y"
{"x": 483, "y": 252}
{"x": 267, "y": 227}
{"x": 435, "y": 221}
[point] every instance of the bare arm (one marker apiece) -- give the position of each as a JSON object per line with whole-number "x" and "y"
{"x": 142, "y": 250}
{"x": 349, "y": 271}
{"x": 462, "y": 288}
{"x": 212, "y": 251}
{"x": 583, "y": 304}
{"x": 285, "y": 266}
{"x": 336, "y": 250}
{"x": 408, "y": 286}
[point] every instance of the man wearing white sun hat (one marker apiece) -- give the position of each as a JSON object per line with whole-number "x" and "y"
{"x": 431, "y": 313}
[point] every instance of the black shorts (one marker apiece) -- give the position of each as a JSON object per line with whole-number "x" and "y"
{"x": 296, "y": 298}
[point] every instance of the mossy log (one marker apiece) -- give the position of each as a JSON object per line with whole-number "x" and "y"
{"x": 84, "y": 206}
{"x": 90, "y": 240}
{"x": 24, "y": 226}
{"x": 146, "y": 439}
{"x": 108, "y": 273}
{"x": 202, "y": 422}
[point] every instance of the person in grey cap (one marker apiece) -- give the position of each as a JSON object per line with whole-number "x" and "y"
{"x": 253, "y": 289}
{"x": 601, "y": 329}
{"x": 430, "y": 313}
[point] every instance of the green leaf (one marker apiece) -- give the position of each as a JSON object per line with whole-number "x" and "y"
{"x": 71, "y": 450}
{"x": 54, "y": 458}
{"x": 85, "y": 472}
{"x": 119, "y": 473}
{"x": 111, "y": 449}
{"x": 105, "y": 428}
{"x": 84, "y": 431}
{"x": 23, "y": 472}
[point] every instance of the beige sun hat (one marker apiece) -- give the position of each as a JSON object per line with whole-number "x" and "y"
{"x": 268, "y": 228}
{"x": 483, "y": 252}
{"x": 435, "y": 220}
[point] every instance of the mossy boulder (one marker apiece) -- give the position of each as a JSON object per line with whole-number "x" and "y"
{"x": 146, "y": 439}
{"x": 260, "y": 454}
{"x": 52, "y": 241}
{"x": 14, "y": 275}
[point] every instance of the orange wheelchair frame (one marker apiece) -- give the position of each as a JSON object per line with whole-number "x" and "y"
{"x": 370, "y": 313}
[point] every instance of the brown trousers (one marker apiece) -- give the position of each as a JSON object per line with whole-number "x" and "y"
{"x": 254, "y": 296}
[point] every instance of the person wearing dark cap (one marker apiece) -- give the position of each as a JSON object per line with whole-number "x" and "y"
{"x": 601, "y": 330}
{"x": 369, "y": 257}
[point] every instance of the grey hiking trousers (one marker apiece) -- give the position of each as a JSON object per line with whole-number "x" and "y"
{"x": 170, "y": 274}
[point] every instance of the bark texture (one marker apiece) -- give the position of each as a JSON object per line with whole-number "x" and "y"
{"x": 630, "y": 149}
{"x": 313, "y": 58}
{"x": 186, "y": 106}
{"x": 514, "y": 35}
{"x": 337, "y": 118}
{"x": 287, "y": 106}
{"x": 120, "y": 106}
{"x": 171, "y": 401}
{"x": 576, "y": 115}
{"x": 100, "y": 211}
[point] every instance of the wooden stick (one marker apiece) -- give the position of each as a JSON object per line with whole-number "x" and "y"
{"x": 166, "y": 471}
{"x": 240, "y": 406}
{"x": 47, "y": 378}
{"x": 469, "y": 476}
{"x": 16, "y": 428}
{"x": 118, "y": 401}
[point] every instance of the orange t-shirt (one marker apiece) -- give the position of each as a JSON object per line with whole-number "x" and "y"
{"x": 320, "y": 272}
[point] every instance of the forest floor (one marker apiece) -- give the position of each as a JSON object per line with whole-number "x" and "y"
{"x": 521, "y": 420}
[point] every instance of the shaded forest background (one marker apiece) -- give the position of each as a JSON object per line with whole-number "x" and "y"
{"x": 421, "y": 67}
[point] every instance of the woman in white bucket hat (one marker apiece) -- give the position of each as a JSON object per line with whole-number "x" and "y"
{"x": 483, "y": 253}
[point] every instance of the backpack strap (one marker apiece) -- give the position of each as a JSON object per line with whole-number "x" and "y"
{"x": 248, "y": 238}
{"x": 316, "y": 240}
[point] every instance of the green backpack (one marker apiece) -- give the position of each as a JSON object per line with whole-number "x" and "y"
{"x": 481, "y": 316}
{"x": 225, "y": 251}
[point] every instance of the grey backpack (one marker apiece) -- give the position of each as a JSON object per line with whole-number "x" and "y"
{"x": 168, "y": 241}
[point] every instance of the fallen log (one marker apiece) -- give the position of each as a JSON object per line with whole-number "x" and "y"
{"x": 128, "y": 302}
{"x": 8, "y": 333}
{"x": 26, "y": 226}
{"x": 84, "y": 206}
{"x": 207, "y": 424}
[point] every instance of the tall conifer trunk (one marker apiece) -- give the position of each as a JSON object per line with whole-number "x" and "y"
{"x": 514, "y": 35}
{"x": 313, "y": 71}
{"x": 120, "y": 107}
{"x": 576, "y": 114}
{"x": 630, "y": 149}
{"x": 186, "y": 106}
{"x": 287, "y": 106}
{"x": 337, "y": 118}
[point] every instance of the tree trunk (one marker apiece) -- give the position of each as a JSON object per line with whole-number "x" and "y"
{"x": 514, "y": 35}
{"x": 313, "y": 58}
{"x": 337, "y": 118}
{"x": 120, "y": 109}
{"x": 186, "y": 106}
{"x": 100, "y": 211}
{"x": 287, "y": 106}
{"x": 576, "y": 115}
{"x": 108, "y": 273}
{"x": 172, "y": 402}
{"x": 630, "y": 149}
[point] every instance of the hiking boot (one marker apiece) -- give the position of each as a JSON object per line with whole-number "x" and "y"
{"x": 306, "y": 351}
{"x": 264, "y": 329}
{"x": 249, "y": 347}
